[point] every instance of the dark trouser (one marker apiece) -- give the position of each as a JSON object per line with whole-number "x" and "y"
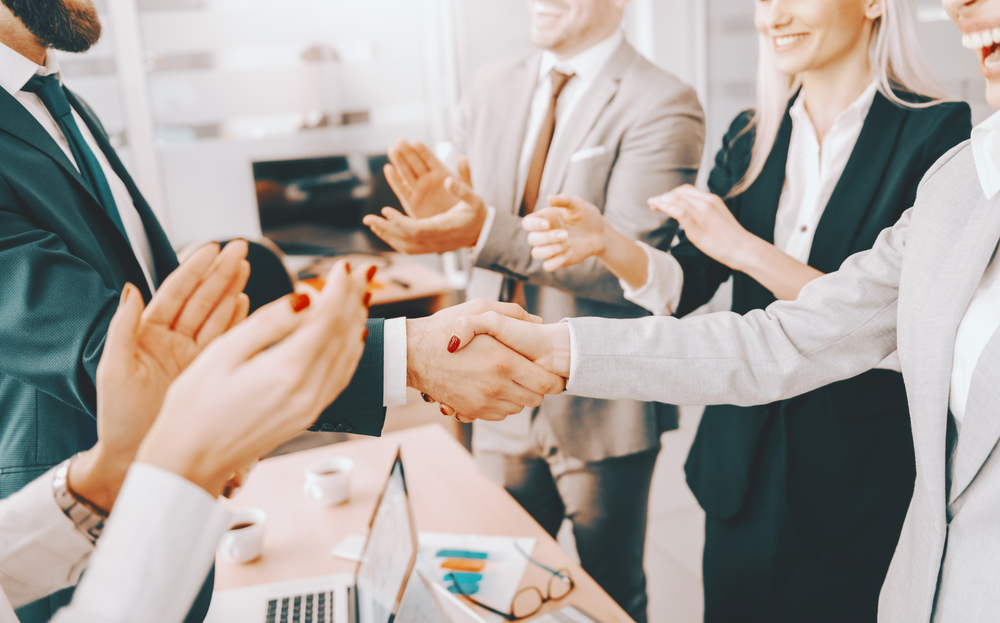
{"x": 607, "y": 501}
{"x": 757, "y": 569}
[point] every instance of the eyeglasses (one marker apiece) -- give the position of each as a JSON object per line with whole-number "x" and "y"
{"x": 529, "y": 600}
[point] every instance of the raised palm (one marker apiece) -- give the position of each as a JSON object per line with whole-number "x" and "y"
{"x": 418, "y": 177}
{"x": 147, "y": 349}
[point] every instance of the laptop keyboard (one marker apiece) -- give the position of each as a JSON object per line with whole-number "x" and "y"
{"x": 307, "y": 608}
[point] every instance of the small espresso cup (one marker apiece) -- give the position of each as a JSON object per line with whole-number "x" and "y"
{"x": 244, "y": 540}
{"x": 329, "y": 481}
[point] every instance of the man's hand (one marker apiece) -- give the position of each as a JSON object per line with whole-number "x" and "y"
{"x": 417, "y": 177}
{"x": 487, "y": 380}
{"x": 147, "y": 349}
{"x": 454, "y": 229}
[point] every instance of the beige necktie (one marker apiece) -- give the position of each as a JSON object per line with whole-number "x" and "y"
{"x": 513, "y": 289}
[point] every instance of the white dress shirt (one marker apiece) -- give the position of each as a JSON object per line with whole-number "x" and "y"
{"x": 148, "y": 565}
{"x": 586, "y": 66}
{"x": 982, "y": 318}
{"x": 16, "y": 70}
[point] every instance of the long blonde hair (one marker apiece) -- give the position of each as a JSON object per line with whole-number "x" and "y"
{"x": 895, "y": 60}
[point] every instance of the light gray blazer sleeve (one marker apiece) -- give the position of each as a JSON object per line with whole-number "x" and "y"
{"x": 841, "y": 324}
{"x": 658, "y": 152}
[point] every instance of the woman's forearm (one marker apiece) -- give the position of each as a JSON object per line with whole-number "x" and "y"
{"x": 774, "y": 269}
{"x": 624, "y": 258}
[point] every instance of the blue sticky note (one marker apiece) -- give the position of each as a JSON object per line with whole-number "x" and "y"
{"x": 462, "y": 553}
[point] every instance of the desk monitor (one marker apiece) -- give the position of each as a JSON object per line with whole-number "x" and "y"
{"x": 314, "y": 206}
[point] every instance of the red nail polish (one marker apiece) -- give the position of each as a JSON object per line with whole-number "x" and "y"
{"x": 299, "y": 301}
{"x": 366, "y": 299}
{"x": 364, "y": 334}
{"x": 371, "y": 273}
{"x": 454, "y": 343}
{"x": 347, "y": 267}
{"x": 443, "y": 412}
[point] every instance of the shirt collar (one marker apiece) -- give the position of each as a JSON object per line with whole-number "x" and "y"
{"x": 587, "y": 64}
{"x": 855, "y": 113}
{"x": 986, "y": 151}
{"x": 16, "y": 70}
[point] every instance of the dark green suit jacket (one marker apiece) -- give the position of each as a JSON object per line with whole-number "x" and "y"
{"x": 63, "y": 265}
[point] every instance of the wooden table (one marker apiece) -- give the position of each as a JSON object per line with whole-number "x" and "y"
{"x": 447, "y": 492}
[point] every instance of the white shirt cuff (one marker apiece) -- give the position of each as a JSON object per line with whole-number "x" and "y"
{"x": 41, "y": 549}
{"x": 661, "y": 294}
{"x": 394, "y": 362}
{"x": 154, "y": 554}
{"x": 484, "y": 233}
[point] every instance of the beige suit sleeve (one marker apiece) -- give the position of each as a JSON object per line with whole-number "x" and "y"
{"x": 659, "y": 151}
{"x": 841, "y": 324}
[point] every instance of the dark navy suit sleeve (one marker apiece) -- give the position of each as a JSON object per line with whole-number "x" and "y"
{"x": 359, "y": 408}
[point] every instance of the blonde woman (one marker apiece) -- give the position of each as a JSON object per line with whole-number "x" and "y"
{"x": 805, "y": 497}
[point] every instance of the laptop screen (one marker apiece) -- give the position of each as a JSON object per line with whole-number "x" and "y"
{"x": 389, "y": 554}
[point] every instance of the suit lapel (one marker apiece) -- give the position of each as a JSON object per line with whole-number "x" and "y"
{"x": 583, "y": 118}
{"x": 17, "y": 121}
{"x": 981, "y": 424}
{"x": 871, "y": 155}
{"x": 758, "y": 206}
{"x": 164, "y": 258}
{"x": 508, "y": 136}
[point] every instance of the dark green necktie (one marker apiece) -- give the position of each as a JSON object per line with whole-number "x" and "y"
{"x": 48, "y": 89}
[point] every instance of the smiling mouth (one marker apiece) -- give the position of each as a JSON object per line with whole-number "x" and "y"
{"x": 786, "y": 41}
{"x": 987, "y": 43}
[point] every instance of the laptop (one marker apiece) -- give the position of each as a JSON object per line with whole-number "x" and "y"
{"x": 314, "y": 206}
{"x": 371, "y": 595}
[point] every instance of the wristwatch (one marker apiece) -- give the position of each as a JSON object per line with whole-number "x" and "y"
{"x": 88, "y": 517}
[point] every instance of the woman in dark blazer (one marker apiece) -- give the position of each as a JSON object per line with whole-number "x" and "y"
{"x": 804, "y": 498}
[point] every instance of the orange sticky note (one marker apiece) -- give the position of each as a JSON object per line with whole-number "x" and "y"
{"x": 463, "y": 564}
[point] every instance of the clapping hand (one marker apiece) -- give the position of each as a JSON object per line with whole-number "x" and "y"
{"x": 418, "y": 177}
{"x": 706, "y": 222}
{"x": 442, "y": 212}
{"x": 567, "y": 233}
{"x": 262, "y": 383}
{"x": 146, "y": 349}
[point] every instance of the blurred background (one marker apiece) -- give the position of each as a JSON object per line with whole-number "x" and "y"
{"x": 207, "y": 101}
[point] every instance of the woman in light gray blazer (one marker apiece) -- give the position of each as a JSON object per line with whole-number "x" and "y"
{"x": 929, "y": 287}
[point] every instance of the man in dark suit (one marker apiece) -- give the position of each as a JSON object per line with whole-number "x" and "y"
{"x": 74, "y": 228}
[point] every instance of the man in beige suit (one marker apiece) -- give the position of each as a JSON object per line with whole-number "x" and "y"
{"x": 930, "y": 287}
{"x": 591, "y": 117}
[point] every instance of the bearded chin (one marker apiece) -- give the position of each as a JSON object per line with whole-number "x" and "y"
{"x": 68, "y": 28}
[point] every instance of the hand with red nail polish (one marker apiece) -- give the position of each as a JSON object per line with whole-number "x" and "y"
{"x": 485, "y": 379}
{"x": 259, "y": 385}
{"x": 147, "y": 348}
{"x": 546, "y": 345}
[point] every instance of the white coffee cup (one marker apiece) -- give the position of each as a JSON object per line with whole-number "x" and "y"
{"x": 244, "y": 540}
{"x": 329, "y": 481}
